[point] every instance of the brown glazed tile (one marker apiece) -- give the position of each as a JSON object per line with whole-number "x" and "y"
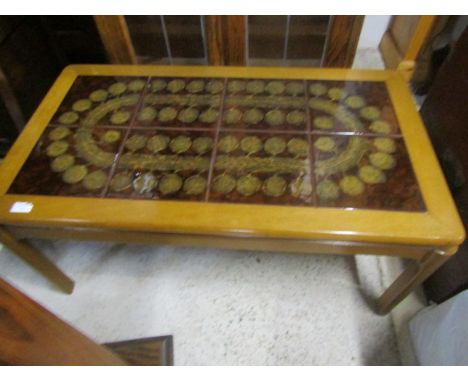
{"x": 134, "y": 159}
{"x": 38, "y": 177}
{"x": 163, "y": 164}
{"x": 264, "y": 163}
{"x": 364, "y": 172}
{"x": 181, "y": 103}
{"x": 265, "y": 104}
{"x": 96, "y": 101}
{"x": 370, "y": 99}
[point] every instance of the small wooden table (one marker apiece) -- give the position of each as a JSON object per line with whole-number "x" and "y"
{"x": 276, "y": 159}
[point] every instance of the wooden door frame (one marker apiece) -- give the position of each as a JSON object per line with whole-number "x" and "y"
{"x": 405, "y": 61}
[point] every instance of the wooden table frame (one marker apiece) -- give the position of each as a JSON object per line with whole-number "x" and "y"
{"x": 428, "y": 237}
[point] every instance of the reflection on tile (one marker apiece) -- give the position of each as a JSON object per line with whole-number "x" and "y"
{"x": 263, "y": 141}
{"x": 362, "y": 172}
{"x": 262, "y": 168}
{"x": 163, "y": 164}
{"x": 354, "y": 107}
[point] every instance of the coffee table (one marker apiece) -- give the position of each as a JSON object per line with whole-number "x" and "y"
{"x": 273, "y": 159}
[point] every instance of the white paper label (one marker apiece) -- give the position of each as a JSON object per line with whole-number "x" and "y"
{"x": 21, "y": 208}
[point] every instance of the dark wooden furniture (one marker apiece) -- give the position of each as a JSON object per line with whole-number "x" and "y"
{"x": 31, "y": 335}
{"x": 445, "y": 114}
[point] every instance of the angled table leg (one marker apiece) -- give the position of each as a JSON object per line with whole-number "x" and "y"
{"x": 37, "y": 260}
{"x": 409, "y": 280}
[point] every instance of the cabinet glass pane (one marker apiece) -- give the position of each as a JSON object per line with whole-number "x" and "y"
{"x": 147, "y": 38}
{"x": 307, "y": 36}
{"x": 266, "y": 36}
{"x": 185, "y": 36}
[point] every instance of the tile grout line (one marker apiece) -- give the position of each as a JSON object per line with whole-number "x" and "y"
{"x": 129, "y": 128}
{"x": 311, "y": 150}
{"x": 215, "y": 143}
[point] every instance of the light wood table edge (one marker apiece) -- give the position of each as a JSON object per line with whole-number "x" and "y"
{"x": 427, "y": 259}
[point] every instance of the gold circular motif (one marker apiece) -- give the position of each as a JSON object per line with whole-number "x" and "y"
{"x": 81, "y": 105}
{"x": 111, "y": 136}
{"x": 275, "y": 145}
{"x": 324, "y": 123}
{"x": 57, "y": 148}
{"x": 298, "y": 147}
{"x": 275, "y": 87}
{"x": 371, "y": 175}
{"x": 62, "y": 162}
{"x": 121, "y": 181}
{"x": 251, "y": 145}
{"x": 328, "y": 190}
{"x": 381, "y": 160}
{"x": 295, "y": 117}
{"x": 136, "y": 142}
{"x": 158, "y": 143}
{"x": 248, "y": 185}
{"x": 188, "y": 115}
{"x": 380, "y": 127}
{"x": 68, "y": 118}
{"x": 223, "y": 184}
{"x": 180, "y": 144}
{"x": 300, "y": 187}
{"x": 337, "y": 94}
{"x": 202, "y": 144}
{"x": 274, "y": 117}
{"x": 351, "y": 185}
{"x": 117, "y": 89}
{"x": 274, "y": 186}
{"x": 232, "y": 116}
{"x": 386, "y": 145}
{"x": 147, "y": 114}
{"x": 294, "y": 88}
{"x": 59, "y": 133}
{"x": 74, "y": 174}
{"x": 167, "y": 114}
{"x": 158, "y": 85}
{"x": 98, "y": 95}
{"x": 355, "y": 102}
{"x": 228, "y": 144}
{"x": 170, "y": 184}
{"x": 145, "y": 183}
{"x": 195, "y": 185}
{"x": 120, "y": 117}
{"x": 317, "y": 89}
{"x": 236, "y": 86}
{"x": 370, "y": 113}
{"x": 209, "y": 116}
{"x": 196, "y": 86}
{"x": 325, "y": 144}
{"x": 215, "y": 87}
{"x": 95, "y": 180}
{"x": 136, "y": 85}
{"x": 255, "y": 87}
{"x": 175, "y": 86}
{"x": 253, "y": 116}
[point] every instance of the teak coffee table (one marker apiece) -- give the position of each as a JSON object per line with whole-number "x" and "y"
{"x": 276, "y": 159}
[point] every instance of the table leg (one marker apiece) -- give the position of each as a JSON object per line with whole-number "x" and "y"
{"x": 409, "y": 280}
{"x": 37, "y": 260}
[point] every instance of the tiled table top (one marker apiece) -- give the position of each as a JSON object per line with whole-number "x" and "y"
{"x": 263, "y": 141}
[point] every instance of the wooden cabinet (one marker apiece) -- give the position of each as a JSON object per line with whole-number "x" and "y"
{"x": 313, "y": 41}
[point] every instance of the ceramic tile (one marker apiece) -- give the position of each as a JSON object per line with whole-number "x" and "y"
{"x": 181, "y": 102}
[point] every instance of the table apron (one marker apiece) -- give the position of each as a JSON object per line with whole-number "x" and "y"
{"x": 305, "y": 246}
